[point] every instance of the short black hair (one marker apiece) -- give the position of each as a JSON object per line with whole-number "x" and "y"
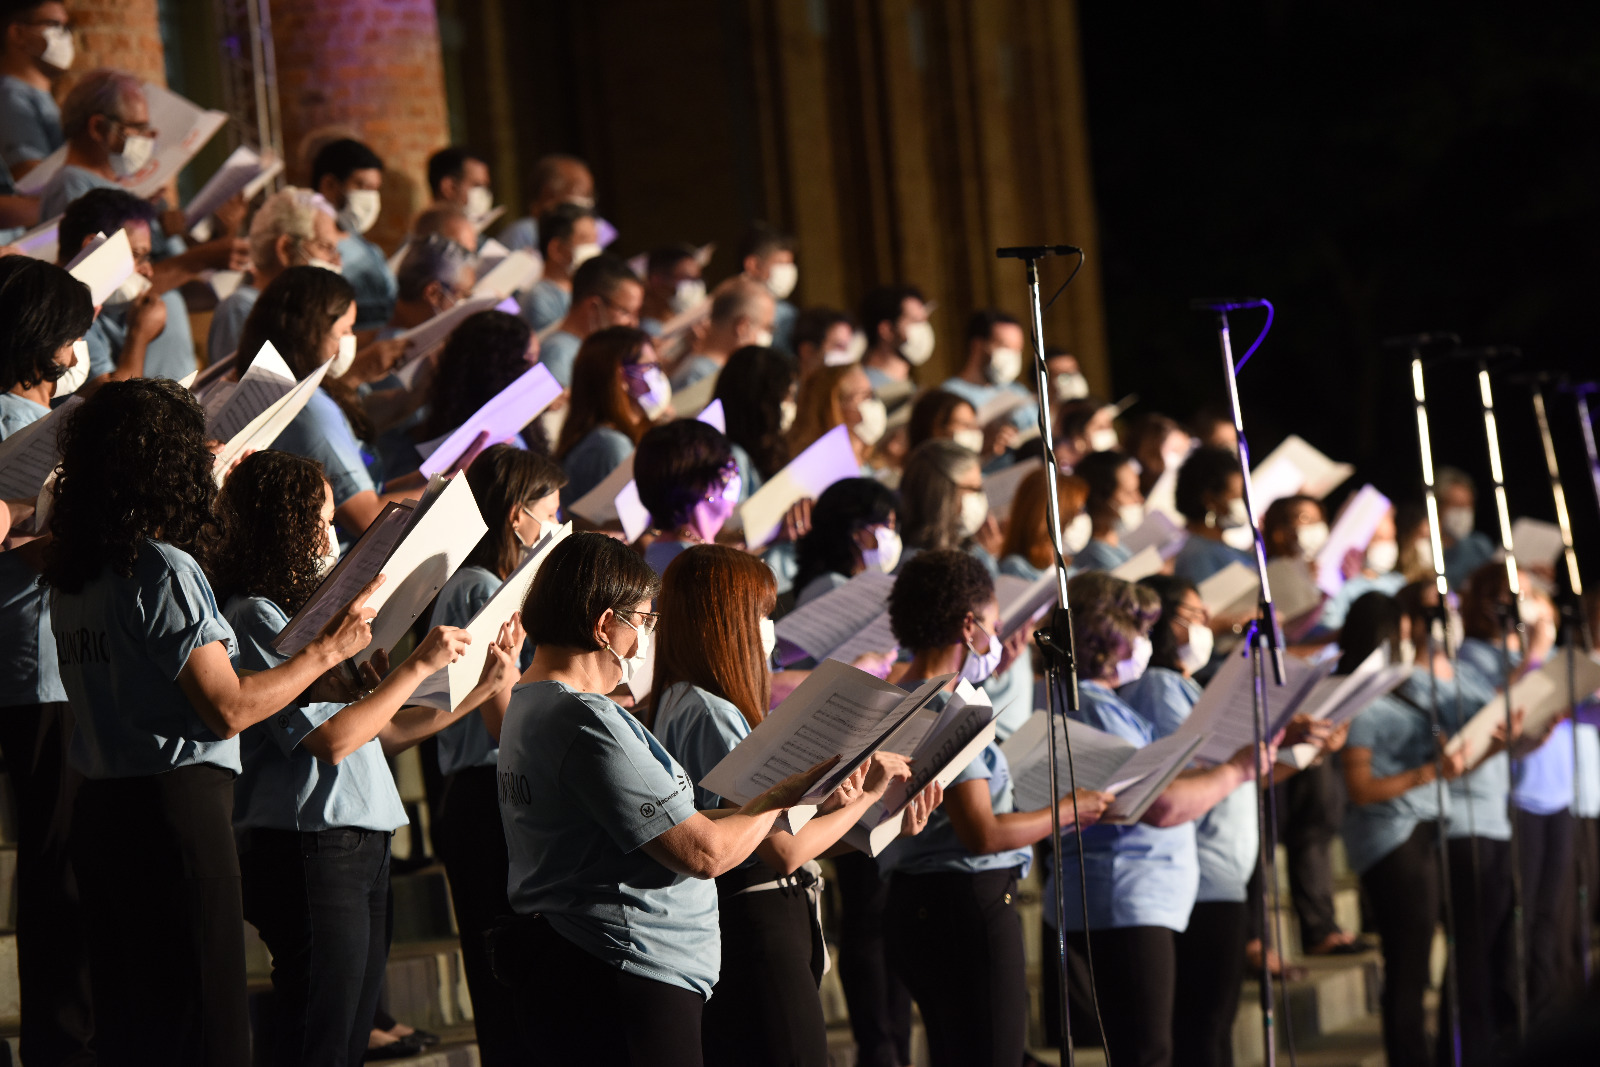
{"x": 811, "y": 326}
{"x": 674, "y": 467}
{"x": 848, "y": 505}
{"x": 932, "y": 596}
{"x": 558, "y": 222}
{"x": 762, "y": 239}
{"x": 99, "y": 211}
{"x": 667, "y": 257}
{"x": 1205, "y": 473}
{"x": 16, "y": 10}
{"x": 981, "y": 324}
{"x": 42, "y": 309}
{"x": 584, "y": 576}
{"x": 1100, "y": 469}
{"x": 886, "y": 303}
{"x": 341, "y": 159}
{"x": 450, "y": 163}
{"x": 601, "y": 276}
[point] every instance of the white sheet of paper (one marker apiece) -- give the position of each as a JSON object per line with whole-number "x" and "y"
{"x": 28, "y": 456}
{"x": 1229, "y": 587}
{"x": 1296, "y": 467}
{"x": 1001, "y": 405}
{"x": 829, "y": 621}
{"x": 693, "y": 398}
{"x": 1294, "y": 591}
{"x": 103, "y": 265}
{"x": 264, "y": 428}
{"x": 243, "y": 167}
{"x": 1163, "y": 496}
{"x": 1536, "y": 541}
{"x": 829, "y": 459}
{"x": 267, "y": 380}
{"x": 43, "y": 241}
{"x": 424, "y": 338}
{"x": 631, "y": 512}
{"x": 1352, "y": 532}
{"x": 1001, "y": 486}
{"x": 1541, "y": 693}
{"x": 599, "y": 505}
{"x": 876, "y": 638}
{"x": 225, "y": 282}
{"x": 1023, "y": 602}
{"x": 1157, "y": 531}
{"x": 1145, "y": 562}
{"x": 502, "y": 418}
{"x": 1146, "y": 773}
{"x": 515, "y": 272}
{"x": 1096, "y": 757}
{"x": 1226, "y": 708}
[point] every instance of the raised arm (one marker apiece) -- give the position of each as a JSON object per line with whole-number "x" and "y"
{"x": 1365, "y": 789}
{"x": 415, "y": 723}
{"x": 1193, "y": 793}
{"x": 982, "y": 831}
{"x": 787, "y": 853}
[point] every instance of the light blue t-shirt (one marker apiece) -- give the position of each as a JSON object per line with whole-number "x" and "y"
{"x": 1100, "y": 555}
{"x": 285, "y": 787}
{"x": 978, "y": 395}
{"x": 1541, "y": 781}
{"x": 1337, "y": 607}
{"x": 523, "y": 233}
{"x": 28, "y": 673}
{"x": 66, "y": 185}
{"x": 582, "y": 786}
{"x": 227, "y": 321}
{"x": 170, "y": 354}
{"x": 465, "y": 743}
{"x": 693, "y": 369}
{"x": 698, "y": 729}
{"x": 1010, "y": 693}
{"x": 1400, "y": 739}
{"x": 1477, "y": 798}
{"x": 938, "y": 848}
{"x": 1588, "y": 742}
{"x": 1137, "y": 875}
{"x": 121, "y": 644}
{"x": 1464, "y": 557}
{"x": 323, "y": 432}
{"x": 30, "y": 122}
{"x": 592, "y": 460}
{"x": 784, "y": 316}
{"x": 545, "y": 303}
{"x": 1201, "y": 557}
{"x": 366, "y": 268}
{"x": 1018, "y": 567}
{"x": 559, "y": 352}
{"x": 17, "y": 411}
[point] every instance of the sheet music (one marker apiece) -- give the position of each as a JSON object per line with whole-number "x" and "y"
{"x": 1536, "y": 541}
{"x": 28, "y": 456}
{"x": 1146, "y": 774}
{"x": 829, "y": 459}
{"x": 1296, "y": 467}
{"x": 820, "y": 626}
{"x": 1352, "y": 532}
{"x": 1001, "y": 487}
{"x": 1023, "y": 602}
{"x": 1294, "y": 591}
{"x": 599, "y": 505}
{"x": 219, "y": 367}
{"x": 425, "y": 337}
{"x": 713, "y": 416}
{"x": 631, "y": 512}
{"x": 1542, "y": 694}
{"x": 1226, "y": 708}
{"x": 43, "y": 241}
{"x": 692, "y": 399}
{"x": 267, "y": 381}
{"x": 1163, "y": 496}
{"x": 1233, "y": 588}
{"x": 1157, "y": 531}
{"x": 513, "y": 273}
{"x": 1145, "y": 562}
{"x": 264, "y": 428}
{"x": 349, "y": 576}
{"x": 503, "y": 417}
{"x": 876, "y": 638}
{"x": 1096, "y": 756}
{"x": 103, "y": 265}
{"x": 243, "y": 168}
{"x": 1001, "y": 405}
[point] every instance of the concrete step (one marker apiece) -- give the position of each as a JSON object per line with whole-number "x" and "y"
{"x": 1336, "y": 994}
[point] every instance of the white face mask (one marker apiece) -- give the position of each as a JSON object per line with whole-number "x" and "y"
{"x": 327, "y": 561}
{"x": 59, "y": 51}
{"x": 781, "y": 280}
{"x": 480, "y": 201}
{"x": 1383, "y": 556}
{"x": 313, "y": 261}
{"x": 344, "y": 357}
{"x": 1130, "y": 669}
{"x": 788, "y": 410}
{"x": 76, "y": 374}
{"x": 974, "y": 510}
{"x": 136, "y": 152}
{"x": 1311, "y": 538}
{"x": 769, "y": 637}
{"x": 1239, "y": 538}
{"x": 918, "y": 345}
{"x": 539, "y": 527}
{"x": 1103, "y": 440}
{"x": 131, "y": 289}
{"x": 886, "y": 556}
{"x": 1458, "y": 522}
{"x": 1196, "y": 652}
{"x": 1408, "y": 651}
{"x": 1004, "y": 365}
{"x": 633, "y": 663}
{"x": 1071, "y": 385}
{"x": 1130, "y": 517}
{"x": 763, "y": 339}
{"x": 978, "y": 666}
{"x": 1077, "y": 534}
{"x": 971, "y": 440}
{"x": 582, "y": 254}
{"x": 1455, "y": 629}
{"x": 1424, "y": 554}
{"x": 361, "y": 207}
{"x": 841, "y": 357}
{"x": 690, "y": 293}
{"x": 874, "y": 420}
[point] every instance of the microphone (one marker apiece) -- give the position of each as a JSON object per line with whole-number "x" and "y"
{"x": 1422, "y": 340}
{"x": 1219, "y": 304}
{"x": 1037, "y": 251}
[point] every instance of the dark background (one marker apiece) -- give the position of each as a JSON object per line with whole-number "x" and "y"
{"x": 1373, "y": 169}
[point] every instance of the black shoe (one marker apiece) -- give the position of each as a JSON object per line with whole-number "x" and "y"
{"x": 398, "y": 1050}
{"x": 427, "y": 1038}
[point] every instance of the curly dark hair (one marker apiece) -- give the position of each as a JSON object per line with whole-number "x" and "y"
{"x": 846, "y": 506}
{"x": 134, "y": 465}
{"x": 752, "y": 388}
{"x": 42, "y": 310}
{"x": 270, "y": 510}
{"x": 486, "y": 353}
{"x": 933, "y": 595}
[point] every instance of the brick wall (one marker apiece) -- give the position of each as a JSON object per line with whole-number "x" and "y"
{"x": 124, "y": 34}
{"x": 371, "y": 67}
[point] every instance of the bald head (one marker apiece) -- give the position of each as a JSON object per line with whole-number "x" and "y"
{"x": 448, "y": 221}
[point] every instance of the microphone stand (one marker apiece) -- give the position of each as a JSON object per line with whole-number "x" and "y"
{"x": 1266, "y": 645}
{"x": 1580, "y": 394}
{"x": 1054, "y": 641}
{"x": 1439, "y": 632}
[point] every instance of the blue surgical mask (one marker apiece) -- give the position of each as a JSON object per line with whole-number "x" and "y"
{"x": 978, "y": 666}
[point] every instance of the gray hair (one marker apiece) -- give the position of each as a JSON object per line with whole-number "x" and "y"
{"x": 99, "y": 92}
{"x": 1449, "y": 477}
{"x": 738, "y": 298}
{"x": 437, "y": 259}
{"x": 289, "y": 212}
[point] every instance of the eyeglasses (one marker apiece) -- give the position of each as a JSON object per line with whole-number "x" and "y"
{"x": 648, "y": 620}
{"x": 142, "y": 128}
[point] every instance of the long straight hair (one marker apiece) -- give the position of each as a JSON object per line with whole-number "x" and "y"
{"x": 1028, "y": 531}
{"x": 712, "y": 601}
{"x": 504, "y": 477}
{"x": 598, "y": 395}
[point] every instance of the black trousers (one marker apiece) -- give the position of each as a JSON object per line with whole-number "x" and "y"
{"x": 879, "y": 1003}
{"x": 765, "y": 1007}
{"x": 955, "y": 940}
{"x": 1403, "y": 891}
{"x": 1586, "y": 860}
{"x": 158, "y": 875}
{"x": 468, "y": 837}
{"x": 1544, "y": 843}
{"x": 1210, "y": 967}
{"x": 1484, "y": 952}
{"x": 1310, "y": 812}
{"x": 575, "y": 1008}
{"x": 52, "y": 959}
{"x": 1135, "y": 969}
{"x": 321, "y": 903}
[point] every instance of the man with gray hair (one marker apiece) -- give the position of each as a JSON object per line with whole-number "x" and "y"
{"x": 293, "y": 228}
{"x": 741, "y": 314}
{"x": 435, "y": 276}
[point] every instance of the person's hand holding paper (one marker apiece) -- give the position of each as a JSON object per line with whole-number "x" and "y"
{"x": 790, "y": 791}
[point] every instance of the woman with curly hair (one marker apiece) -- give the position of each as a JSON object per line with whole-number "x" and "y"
{"x": 145, "y": 656}
{"x": 711, "y": 688}
{"x": 757, "y": 389}
{"x": 951, "y": 928}
{"x": 618, "y": 389}
{"x": 316, "y": 803}
{"x": 517, "y": 493}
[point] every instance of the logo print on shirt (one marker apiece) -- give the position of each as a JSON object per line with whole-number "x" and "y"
{"x": 648, "y": 810}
